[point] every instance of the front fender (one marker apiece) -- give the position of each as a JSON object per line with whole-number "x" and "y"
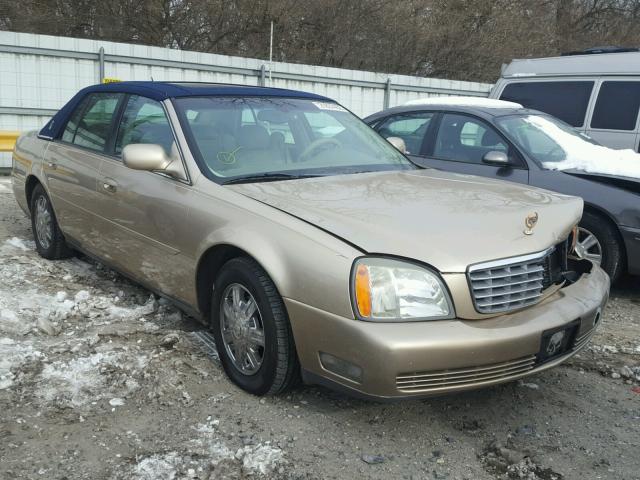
{"x": 305, "y": 263}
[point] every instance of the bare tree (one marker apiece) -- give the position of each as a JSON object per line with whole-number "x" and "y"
{"x": 459, "y": 39}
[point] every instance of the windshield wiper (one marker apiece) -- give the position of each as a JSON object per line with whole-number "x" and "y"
{"x": 268, "y": 177}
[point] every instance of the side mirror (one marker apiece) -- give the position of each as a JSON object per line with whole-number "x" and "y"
{"x": 152, "y": 158}
{"x": 496, "y": 158}
{"x": 398, "y": 143}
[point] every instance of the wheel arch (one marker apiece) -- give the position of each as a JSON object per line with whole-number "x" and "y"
{"x": 600, "y": 212}
{"x": 210, "y": 263}
{"x": 30, "y": 184}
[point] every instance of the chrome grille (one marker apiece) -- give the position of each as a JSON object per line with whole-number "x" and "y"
{"x": 460, "y": 377}
{"x": 509, "y": 284}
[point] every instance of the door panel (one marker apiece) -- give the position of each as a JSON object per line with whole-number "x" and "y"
{"x": 142, "y": 214}
{"x": 143, "y": 219}
{"x": 72, "y": 166}
{"x": 71, "y": 175}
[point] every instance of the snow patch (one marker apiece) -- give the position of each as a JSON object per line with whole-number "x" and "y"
{"x": 465, "y": 102}
{"x": 89, "y": 378}
{"x": 14, "y": 356}
{"x": 20, "y": 244}
{"x": 81, "y": 296}
{"x": 158, "y": 467}
{"x": 586, "y": 156}
{"x": 5, "y": 187}
{"x": 259, "y": 459}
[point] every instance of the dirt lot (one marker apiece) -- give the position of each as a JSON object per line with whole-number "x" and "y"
{"x": 100, "y": 380}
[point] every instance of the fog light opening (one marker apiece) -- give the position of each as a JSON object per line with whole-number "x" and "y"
{"x": 341, "y": 367}
{"x": 596, "y": 320}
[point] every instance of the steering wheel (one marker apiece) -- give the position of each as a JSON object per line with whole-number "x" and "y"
{"x": 315, "y": 145}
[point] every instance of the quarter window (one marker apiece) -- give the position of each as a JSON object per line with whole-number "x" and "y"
{"x": 617, "y": 106}
{"x": 94, "y": 125}
{"x": 410, "y": 127}
{"x": 567, "y": 101}
{"x": 144, "y": 121}
{"x": 464, "y": 139}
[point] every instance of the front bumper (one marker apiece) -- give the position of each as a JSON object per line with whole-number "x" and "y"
{"x": 419, "y": 359}
{"x": 631, "y": 237}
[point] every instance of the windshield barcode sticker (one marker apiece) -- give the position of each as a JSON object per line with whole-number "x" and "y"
{"x": 329, "y": 106}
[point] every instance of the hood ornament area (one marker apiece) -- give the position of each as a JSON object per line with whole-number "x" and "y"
{"x": 530, "y": 223}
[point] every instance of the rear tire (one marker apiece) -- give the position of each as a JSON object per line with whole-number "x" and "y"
{"x": 50, "y": 242}
{"x": 268, "y": 365}
{"x": 612, "y": 250}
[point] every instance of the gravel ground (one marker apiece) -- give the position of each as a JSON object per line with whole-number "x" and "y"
{"x": 100, "y": 380}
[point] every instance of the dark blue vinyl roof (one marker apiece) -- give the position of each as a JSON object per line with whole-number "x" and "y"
{"x": 164, "y": 90}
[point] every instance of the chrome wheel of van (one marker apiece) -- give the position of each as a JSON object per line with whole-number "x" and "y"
{"x": 588, "y": 246}
{"x": 43, "y": 222}
{"x": 242, "y": 329}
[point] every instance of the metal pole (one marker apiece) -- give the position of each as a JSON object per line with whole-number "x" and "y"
{"x": 270, "y": 52}
{"x": 387, "y": 94}
{"x": 263, "y": 75}
{"x": 101, "y": 64}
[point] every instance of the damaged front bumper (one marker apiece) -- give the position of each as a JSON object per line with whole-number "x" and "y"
{"x": 400, "y": 360}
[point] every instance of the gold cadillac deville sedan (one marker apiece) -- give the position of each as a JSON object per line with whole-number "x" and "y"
{"x": 309, "y": 245}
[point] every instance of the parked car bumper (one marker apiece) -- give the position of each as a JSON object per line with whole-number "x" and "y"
{"x": 399, "y": 360}
{"x": 631, "y": 237}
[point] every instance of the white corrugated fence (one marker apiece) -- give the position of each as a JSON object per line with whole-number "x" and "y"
{"x": 39, "y": 73}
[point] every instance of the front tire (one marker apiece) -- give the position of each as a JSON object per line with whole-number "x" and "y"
{"x": 251, "y": 329}
{"x": 49, "y": 239}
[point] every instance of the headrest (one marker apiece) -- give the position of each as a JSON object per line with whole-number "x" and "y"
{"x": 253, "y": 136}
{"x": 490, "y": 139}
{"x": 272, "y": 115}
{"x": 277, "y": 138}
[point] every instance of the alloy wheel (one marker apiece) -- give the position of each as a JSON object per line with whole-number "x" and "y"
{"x": 588, "y": 247}
{"x": 242, "y": 329}
{"x": 43, "y": 223}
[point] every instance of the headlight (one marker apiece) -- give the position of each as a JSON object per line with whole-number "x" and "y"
{"x": 388, "y": 290}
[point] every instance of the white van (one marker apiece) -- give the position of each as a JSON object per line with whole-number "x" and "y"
{"x": 597, "y": 91}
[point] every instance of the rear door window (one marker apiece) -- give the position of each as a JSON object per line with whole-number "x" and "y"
{"x": 410, "y": 127}
{"x": 617, "y": 106}
{"x": 72, "y": 124}
{"x": 94, "y": 124}
{"x": 567, "y": 101}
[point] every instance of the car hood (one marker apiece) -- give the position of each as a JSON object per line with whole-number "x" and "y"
{"x": 444, "y": 219}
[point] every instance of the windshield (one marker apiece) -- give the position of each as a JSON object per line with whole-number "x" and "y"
{"x": 544, "y": 138}
{"x": 557, "y": 146}
{"x": 255, "y": 137}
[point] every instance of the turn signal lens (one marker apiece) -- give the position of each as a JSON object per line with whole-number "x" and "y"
{"x": 363, "y": 291}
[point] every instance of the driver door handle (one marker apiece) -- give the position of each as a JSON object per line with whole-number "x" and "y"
{"x": 109, "y": 185}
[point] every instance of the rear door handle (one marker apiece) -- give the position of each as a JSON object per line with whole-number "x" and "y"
{"x": 52, "y": 165}
{"x": 109, "y": 185}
